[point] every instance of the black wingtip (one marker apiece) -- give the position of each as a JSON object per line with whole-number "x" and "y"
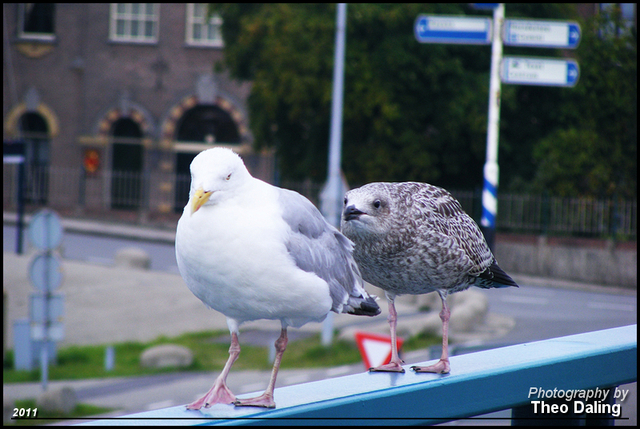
{"x": 495, "y": 277}
{"x": 367, "y": 307}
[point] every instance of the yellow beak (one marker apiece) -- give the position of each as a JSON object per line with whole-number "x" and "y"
{"x": 199, "y": 198}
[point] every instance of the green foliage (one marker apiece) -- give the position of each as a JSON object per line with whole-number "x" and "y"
{"x": 419, "y": 111}
{"x": 593, "y": 152}
{"x": 210, "y": 349}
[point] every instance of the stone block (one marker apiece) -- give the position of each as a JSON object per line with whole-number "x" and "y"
{"x": 62, "y": 400}
{"x": 166, "y": 355}
{"x": 133, "y": 257}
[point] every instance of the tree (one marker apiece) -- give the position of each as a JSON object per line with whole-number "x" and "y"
{"x": 594, "y": 152}
{"x": 411, "y": 111}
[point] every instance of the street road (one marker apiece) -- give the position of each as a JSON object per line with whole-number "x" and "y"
{"x": 99, "y": 249}
{"x": 540, "y": 312}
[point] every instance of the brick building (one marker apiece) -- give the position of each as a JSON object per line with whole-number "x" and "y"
{"x": 112, "y": 101}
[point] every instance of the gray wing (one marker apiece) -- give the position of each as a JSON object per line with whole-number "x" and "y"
{"x": 317, "y": 247}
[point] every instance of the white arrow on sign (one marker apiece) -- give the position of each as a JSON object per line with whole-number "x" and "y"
{"x": 540, "y": 71}
{"x": 541, "y": 34}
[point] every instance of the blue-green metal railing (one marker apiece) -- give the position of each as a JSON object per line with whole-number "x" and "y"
{"x": 479, "y": 383}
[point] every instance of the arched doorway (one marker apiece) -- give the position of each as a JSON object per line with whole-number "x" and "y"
{"x": 207, "y": 124}
{"x": 35, "y": 134}
{"x": 127, "y": 155}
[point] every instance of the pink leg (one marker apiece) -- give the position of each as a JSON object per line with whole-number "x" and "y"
{"x": 442, "y": 366}
{"x": 219, "y": 392}
{"x": 266, "y": 399}
{"x": 395, "y": 364}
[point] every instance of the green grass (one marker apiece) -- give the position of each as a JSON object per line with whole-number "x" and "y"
{"x": 82, "y": 362}
{"x": 46, "y": 418}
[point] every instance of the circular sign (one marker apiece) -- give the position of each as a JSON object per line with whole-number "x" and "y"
{"x": 45, "y": 272}
{"x": 91, "y": 160}
{"x": 45, "y": 230}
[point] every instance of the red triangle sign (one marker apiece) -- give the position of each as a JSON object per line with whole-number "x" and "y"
{"x": 375, "y": 348}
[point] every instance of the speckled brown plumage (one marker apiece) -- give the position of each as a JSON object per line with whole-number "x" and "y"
{"x": 415, "y": 238}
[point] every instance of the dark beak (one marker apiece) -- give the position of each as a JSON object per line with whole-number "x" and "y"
{"x": 351, "y": 213}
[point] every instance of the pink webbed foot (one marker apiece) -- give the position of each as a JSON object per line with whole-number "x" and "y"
{"x": 393, "y": 366}
{"x": 218, "y": 394}
{"x": 265, "y": 400}
{"x": 441, "y": 367}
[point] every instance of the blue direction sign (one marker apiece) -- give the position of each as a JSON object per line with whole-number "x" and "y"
{"x": 541, "y": 34}
{"x": 540, "y": 71}
{"x": 484, "y": 6}
{"x": 452, "y": 29}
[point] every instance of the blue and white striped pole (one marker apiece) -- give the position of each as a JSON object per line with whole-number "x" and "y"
{"x": 491, "y": 170}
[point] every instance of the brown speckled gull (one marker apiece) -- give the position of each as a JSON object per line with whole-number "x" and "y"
{"x": 415, "y": 238}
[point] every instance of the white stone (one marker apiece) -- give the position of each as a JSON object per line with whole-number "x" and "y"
{"x": 133, "y": 257}
{"x": 62, "y": 400}
{"x": 166, "y": 355}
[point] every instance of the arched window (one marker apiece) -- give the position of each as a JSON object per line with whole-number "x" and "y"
{"x": 126, "y": 164}
{"x": 35, "y": 133}
{"x": 206, "y": 124}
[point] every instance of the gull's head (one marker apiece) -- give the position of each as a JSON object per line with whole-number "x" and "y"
{"x": 366, "y": 211}
{"x": 215, "y": 174}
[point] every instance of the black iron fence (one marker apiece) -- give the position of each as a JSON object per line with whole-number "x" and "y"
{"x": 518, "y": 213}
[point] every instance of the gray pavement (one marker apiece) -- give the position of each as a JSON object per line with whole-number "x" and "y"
{"x": 107, "y": 304}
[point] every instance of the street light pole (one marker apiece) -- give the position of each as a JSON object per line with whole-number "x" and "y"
{"x": 331, "y": 197}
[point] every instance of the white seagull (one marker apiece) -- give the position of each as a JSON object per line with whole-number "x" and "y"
{"x": 252, "y": 251}
{"x": 414, "y": 238}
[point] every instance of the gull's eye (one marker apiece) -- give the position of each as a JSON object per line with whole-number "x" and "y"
{"x": 345, "y": 201}
{"x": 228, "y": 177}
{"x": 376, "y": 204}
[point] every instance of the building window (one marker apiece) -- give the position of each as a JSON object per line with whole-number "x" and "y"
{"x": 134, "y": 22}
{"x": 127, "y": 158}
{"x": 35, "y": 133}
{"x": 206, "y": 124}
{"x": 36, "y": 21}
{"x": 203, "y": 31}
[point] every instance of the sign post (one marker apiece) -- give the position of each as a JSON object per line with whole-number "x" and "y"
{"x": 491, "y": 169}
{"x": 13, "y": 152}
{"x": 523, "y": 71}
{"x": 45, "y": 273}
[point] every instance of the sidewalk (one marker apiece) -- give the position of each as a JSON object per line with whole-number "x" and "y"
{"x": 114, "y": 304}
